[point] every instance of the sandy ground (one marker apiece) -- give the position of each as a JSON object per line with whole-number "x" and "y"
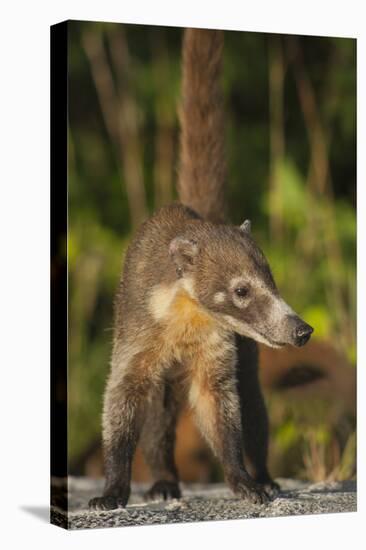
{"x": 199, "y": 503}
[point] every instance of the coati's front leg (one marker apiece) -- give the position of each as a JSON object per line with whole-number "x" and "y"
{"x": 215, "y": 400}
{"x": 254, "y": 417}
{"x": 125, "y": 400}
{"x": 158, "y": 440}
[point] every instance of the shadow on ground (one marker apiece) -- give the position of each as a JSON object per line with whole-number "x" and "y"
{"x": 40, "y": 512}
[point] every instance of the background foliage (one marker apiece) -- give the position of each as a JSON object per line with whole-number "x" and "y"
{"x": 291, "y": 146}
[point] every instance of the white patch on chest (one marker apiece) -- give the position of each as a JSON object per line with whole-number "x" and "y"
{"x": 161, "y": 299}
{"x": 188, "y": 330}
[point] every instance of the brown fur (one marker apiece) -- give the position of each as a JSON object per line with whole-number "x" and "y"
{"x": 173, "y": 340}
{"x": 202, "y": 172}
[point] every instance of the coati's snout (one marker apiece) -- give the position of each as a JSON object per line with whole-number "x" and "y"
{"x": 267, "y": 319}
{"x": 301, "y": 331}
{"x": 231, "y": 278}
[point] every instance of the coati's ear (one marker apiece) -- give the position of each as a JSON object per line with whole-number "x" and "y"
{"x": 183, "y": 251}
{"x": 246, "y": 226}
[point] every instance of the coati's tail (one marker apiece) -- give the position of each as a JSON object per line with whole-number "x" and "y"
{"x": 202, "y": 172}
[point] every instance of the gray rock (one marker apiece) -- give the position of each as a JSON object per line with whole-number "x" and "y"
{"x": 200, "y": 503}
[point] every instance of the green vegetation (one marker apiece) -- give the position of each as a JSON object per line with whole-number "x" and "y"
{"x": 292, "y": 169}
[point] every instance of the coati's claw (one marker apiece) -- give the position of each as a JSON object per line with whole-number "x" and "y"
{"x": 272, "y": 488}
{"x": 269, "y": 485}
{"x": 107, "y": 503}
{"x": 256, "y": 496}
{"x": 254, "y": 492}
{"x": 163, "y": 489}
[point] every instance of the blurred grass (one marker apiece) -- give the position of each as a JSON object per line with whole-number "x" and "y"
{"x": 303, "y": 217}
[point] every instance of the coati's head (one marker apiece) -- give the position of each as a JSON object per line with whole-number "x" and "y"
{"x": 230, "y": 276}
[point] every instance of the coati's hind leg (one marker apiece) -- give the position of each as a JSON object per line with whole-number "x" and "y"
{"x": 158, "y": 440}
{"x": 254, "y": 417}
{"x": 127, "y": 393}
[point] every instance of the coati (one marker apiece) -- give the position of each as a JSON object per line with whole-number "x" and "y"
{"x": 194, "y": 297}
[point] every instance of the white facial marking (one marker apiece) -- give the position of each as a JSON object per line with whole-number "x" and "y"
{"x": 236, "y": 282}
{"x": 246, "y": 330}
{"x": 279, "y": 310}
{"x": 219, "y": 297}
{"x": 244, "y": 280}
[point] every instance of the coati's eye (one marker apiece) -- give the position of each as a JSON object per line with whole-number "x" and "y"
{"x": 241, "y": 291}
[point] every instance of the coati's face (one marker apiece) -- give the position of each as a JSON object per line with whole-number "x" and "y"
{"x": 230, "y": 276}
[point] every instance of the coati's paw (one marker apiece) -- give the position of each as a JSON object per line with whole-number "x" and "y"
{"x": 163, "y": 489}
{"x": 107, "y": 503}
{"x": 272, "y": 488}
{"x": 250, "y": 490}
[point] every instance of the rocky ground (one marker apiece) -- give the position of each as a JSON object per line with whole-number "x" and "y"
{"x": 199, "y": 503}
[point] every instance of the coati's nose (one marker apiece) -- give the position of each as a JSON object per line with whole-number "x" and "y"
{"x": 303, "y": 332}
